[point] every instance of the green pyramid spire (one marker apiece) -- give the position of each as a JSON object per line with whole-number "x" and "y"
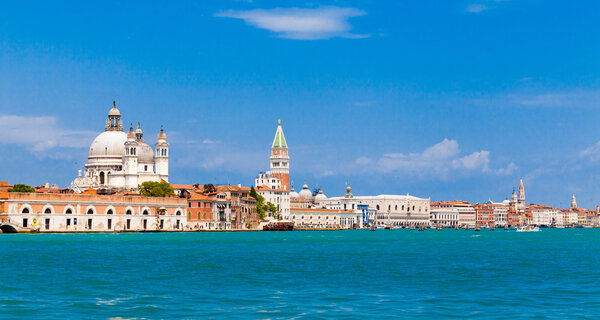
{"x": 279, "y": 141}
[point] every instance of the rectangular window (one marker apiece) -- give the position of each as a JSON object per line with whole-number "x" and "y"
{"x": 68, "y": 222}
{"x": 47, "y": 223}
{"x": 89, "y": 225}
{"x": 109, "y": 223}
{"x": 177, "y": 224}
{"x": 25, "y": 223}
{"x": 145, "y": 224}
{"x": 128, "y": 224}
{"x": 161, "y": 224}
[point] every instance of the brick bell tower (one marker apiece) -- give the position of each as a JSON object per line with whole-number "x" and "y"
{"x": 280, "y": 160}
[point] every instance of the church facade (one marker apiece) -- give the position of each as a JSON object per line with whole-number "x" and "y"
{"x": 123, "y": 161}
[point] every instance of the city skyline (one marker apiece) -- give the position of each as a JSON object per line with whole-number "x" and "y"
{"x": 390, "y": 108}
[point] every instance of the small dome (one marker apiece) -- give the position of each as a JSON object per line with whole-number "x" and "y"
{"x": 305, "y": 193}
{"x": 320, "y": 196}
{"x": 294, "y": 194}
{"x": 145, "y": 153}
{"x": 114, "y": 112}
{"x": 162, "y": 135}
{"x": 108, "y": 144}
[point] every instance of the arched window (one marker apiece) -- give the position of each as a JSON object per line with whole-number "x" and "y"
{"x": 47, "y": 211}
{"x": 109, "y": 211}
{"x": 69, "y": 211}
{"x": 90, "y": 211}
{"x": 377, "y": 207}
{"x": 101, "y": 177}
{"x": 396, "y": 207}
{"x": 128, "y": 211}
{"x": 178, "y": 213}
{"x": 413, "y": 208}
{"x": 145, "y": 212}
{"x": 25, "y": 210}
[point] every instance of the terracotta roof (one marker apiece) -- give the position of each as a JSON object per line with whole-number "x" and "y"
{"x": 197, "y": 196}
{"x": 265, "y": 188}
{"x": 183, "y": 186}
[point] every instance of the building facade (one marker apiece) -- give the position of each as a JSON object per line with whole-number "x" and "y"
{"x": 47, "y": 212}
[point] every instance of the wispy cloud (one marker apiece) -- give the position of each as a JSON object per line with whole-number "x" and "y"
{"x": 301, "y": 23}
{"x": 439, "y": 160}
{"x": 41, "y": 133}
{"x": 483, "y": 5}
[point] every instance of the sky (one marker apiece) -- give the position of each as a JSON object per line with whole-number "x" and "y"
{"x": 439, "y": 99}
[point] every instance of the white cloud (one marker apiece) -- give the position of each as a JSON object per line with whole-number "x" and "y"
{"x": 510, "y": 169}
{"x": 476, "y": 8}
{"x": 41, "y": 133}
{"x": 209, "y": 141}
{"x": 301, "y": 23}
{"x": 440, "y": 159}
{"x": 592, "y": 153}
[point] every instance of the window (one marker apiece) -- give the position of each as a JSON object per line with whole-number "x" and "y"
{"x": 25, "y": 223}
{"x": 145, "y": 213}
{"x": 69, "y": 211}
{"x": 90, "y": 211}
{"x": 89, "y": 224}
{"x": 178, "y": 213}
{"x": 128, "y": 211}
{"x": 109, "y": 212}
{"x": 47, "y": 224}
{"x": 145, "y": 224}
{"x": 128, "y": 225}
{"x": 146, "y": 168}
{"x": 162, "y": 223}
{"x": 47, "y": 211}
{"x": 109, "y": 223}
{"x": 101, "y": 177}
{"x": 68, "y": 222}
{"x": 25, "y": 210}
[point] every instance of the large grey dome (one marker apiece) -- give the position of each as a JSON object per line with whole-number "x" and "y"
{"x": 108, "y": 144}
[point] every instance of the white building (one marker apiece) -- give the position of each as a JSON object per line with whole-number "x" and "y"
{"x": 500, "y": 212}
{"x": 445, "y": 217}
{"x": 392, "y": 210}
{"x": 121, "y": 161}
{"x": 325, "y": 218}
{"x": 466, "y": 213}
{"x": 545, "y": 216}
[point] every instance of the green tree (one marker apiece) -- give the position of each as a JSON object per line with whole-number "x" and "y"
{"x": 23, "y": 188}
{"x": 271, "y": 208}
{"x": 156, "y": 189}
{"x": 260, "y": 200}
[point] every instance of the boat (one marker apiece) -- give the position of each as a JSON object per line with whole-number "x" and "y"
{"x": 279, "y": 226}
{"x": 492, "y": 228}
{"x": 477, "y": 229}
{"x": 528, "y": 229}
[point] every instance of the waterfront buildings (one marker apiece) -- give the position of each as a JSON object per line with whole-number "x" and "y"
{"x": 444, "y": 217}
{"x": 547, "y": 216}
{"x": 484, "y": 215}
{"x": 500, "y": 213}
{"x": 466, "y": 212}
{"x": 120, "y": 161}
{"x": 388, "y": 210}
{"x": 90, "y": 212}
{"x": 326, "y": 218}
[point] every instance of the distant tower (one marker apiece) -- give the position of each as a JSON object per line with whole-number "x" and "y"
{"x": 521, "y": 200}
{"x": 280, "y": 160}
{"x": 573, "y": 202}
{"x": 162, "y": 156}
{"x": 130, "y": 160}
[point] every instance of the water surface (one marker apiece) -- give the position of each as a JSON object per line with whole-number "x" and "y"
{"x": 552, "y": 274}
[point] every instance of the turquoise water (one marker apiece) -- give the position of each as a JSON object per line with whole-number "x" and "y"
{"x": 552, "y": 274}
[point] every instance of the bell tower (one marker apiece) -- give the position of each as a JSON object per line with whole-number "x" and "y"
{"x": 162, "y": 156}
{"x": 280, "y": 160}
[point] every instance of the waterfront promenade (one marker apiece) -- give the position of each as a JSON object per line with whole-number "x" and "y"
{"x": 351, "y": 274}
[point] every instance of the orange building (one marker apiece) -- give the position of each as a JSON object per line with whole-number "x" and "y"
{"x": 56, "y": 212}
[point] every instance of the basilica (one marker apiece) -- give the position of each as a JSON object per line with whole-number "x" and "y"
{"x": 122, "y": 161}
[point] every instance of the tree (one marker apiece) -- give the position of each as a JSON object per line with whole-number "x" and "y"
{"x": 260, "y": 200}
{"x": 23, "y": 188}
{"x": 269, "y": 207}
{"x": 156, "y": 189}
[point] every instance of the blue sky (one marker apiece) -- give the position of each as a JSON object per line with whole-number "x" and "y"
{"x": 440, "y": 99}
